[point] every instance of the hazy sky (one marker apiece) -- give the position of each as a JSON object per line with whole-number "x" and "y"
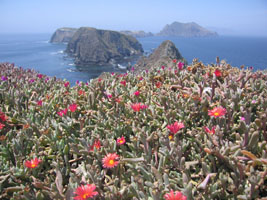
{"x": 234, "y": 17}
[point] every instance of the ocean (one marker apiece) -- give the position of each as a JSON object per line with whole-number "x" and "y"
{"x": 34, "y": 51}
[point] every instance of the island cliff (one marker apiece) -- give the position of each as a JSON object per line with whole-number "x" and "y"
{"x": 191, "y": 29}
{"x": 63, "y": 35}
{"x": 90, "y": 46}
{"x": 164, "y": 55}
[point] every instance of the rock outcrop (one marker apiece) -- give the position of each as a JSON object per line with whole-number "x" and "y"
{"x": 138, "y": 34}
{"x": 90, "y": 46}
{"x": 162, "y": 56}
{"x": 63, "y": 35}
{"x": 186, "y": 30}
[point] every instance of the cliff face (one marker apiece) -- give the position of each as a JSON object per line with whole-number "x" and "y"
{"x": 163, "y": 55}
{"x": 93, "y": 46}
{"x": 63, "y": 35}
{"x": 137, "y": 34}
{"x": 186, "y": 30}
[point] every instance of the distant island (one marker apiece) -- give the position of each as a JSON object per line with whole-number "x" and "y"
{"x": 191, "y": 29}
{"x": 138, "y": 34}
{"x": 91, "y": 46}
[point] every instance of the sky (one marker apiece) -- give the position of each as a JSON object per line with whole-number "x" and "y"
{"x": 227, "y": 17}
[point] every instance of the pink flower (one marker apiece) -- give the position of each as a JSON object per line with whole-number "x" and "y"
{"x": 73, "y": 107}
{"x": 3, "y": 117}
{"x": 242, "y": 118}
{"x": 63, "y": 112}
{"x": 67, "y": 84}
{"x": 217, "y": 112}
{"x": 112, "y": 73}
{"x": 97, "y": 145}
{"x": 121, "y": 140}
{"x": 158, "y": 84}
{"x": 85, "y": 191}
{"x": 123, "y": 83}
{"x": 141, "y": 78}
{"x": 132, "y": 69}
{"x": 40, "y": 103}
{"x": 32, "y": 163}
{"x": 212, "y": 131}
{"x": 162, "y": 67}
{"x": 1, "y": 126}
{"x": 180, "y": 65}
{"x": 4, "y": 78}
{"x": 174, "y": 196}
{"x": 218, "y": 73}
{"x": 31, "y": 81}
{"x": 138, "y": 106}
{"x": 175, "y": 127}
{"x": 137, "y": 93}
{"x": 110, "y": 160}
{"x": 40, "y": 75}
{"x": 174, "y": 60}
{"x": 109, "y": 96}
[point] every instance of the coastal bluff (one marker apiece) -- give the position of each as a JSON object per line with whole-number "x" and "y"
{"x": 63, "y": 35}
{"x": 191, "y": 29}
{"x": 91, "y": 46}
{"x": 164, "y": 55}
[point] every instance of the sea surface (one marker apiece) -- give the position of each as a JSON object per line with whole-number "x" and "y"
{"x": 35, "y": 52}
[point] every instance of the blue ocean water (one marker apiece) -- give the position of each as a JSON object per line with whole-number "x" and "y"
{"x": 35, "y": 52}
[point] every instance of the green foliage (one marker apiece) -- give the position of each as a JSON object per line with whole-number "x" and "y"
{"x": 229, "y": 164}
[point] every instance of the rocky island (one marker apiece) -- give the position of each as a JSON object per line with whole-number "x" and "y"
{"x": 191, "y": 29}
{"x": 164, "y": 55}
{"x": 138, "y": 34}
{"x": 91, "y": 46}
{"x": 63, "y": 35}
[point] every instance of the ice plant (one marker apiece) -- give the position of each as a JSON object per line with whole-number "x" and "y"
{"x": 73, "y": 107}
{"x": 121, "y": 140}
{"x": 138, "y": 106}
{"x": 1, "y": 126}
{"x": 85, "y": 192}
{"x": 4, "y": 78}
{"x": 210, "y": 131}
{"x": 40, "y": 75}
{"x": 180, "y": 65}
{"x": 110, "y": 160}
{"x": 32, "y": 163}
{"x": 97, "y": 145}
{"x": 123, "y": 83}
{"x": 3, "y": 117}
{"x": 40, "y": 103}
{"x": 63, "y": 112}
{"x": 67, "y": 84}
{"x": 174, "y": 60}
{"x": 158, "y": 84}
{"x": 137, "y": 93}
{"x": 217, "y": 112}
{"x": 218, "y": 73}
{"x": 175, "y": 127}
{"x": 175, "y": 196}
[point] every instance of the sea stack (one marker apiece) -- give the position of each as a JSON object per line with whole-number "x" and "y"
{"x": 63, "y": 35}
{"x": 164, "y": 55}
{"x": 91, "y": 46}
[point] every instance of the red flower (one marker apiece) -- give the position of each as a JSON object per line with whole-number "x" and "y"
{"x": 175, "y": 196}
{"x": 63, "y": 112}
{"x": 40, "y": 103}
{"x": 96, "y": 145}
{"x": 180, "y": 65}
{"x": 109, "y": 96}
{"x": 158, "y": 84}
{"x": 141, "y": 78}
{"x": 1, "y": 126}
{"x": 218, "y": 73}
{"x": 85, "y": 191}
{"x": 81, "y": 92}
{"x": 118, "y": 100}
{"x": 32, "y": 163}
{"x": 138, "y": 106}
{"x": 73, "y": 107}
{"x": 217, "y": 112}
{"x": 110, "y": 160}
{"x": 174, "y": 128}
{"x": 40, "y": 75}
{"x": 121, "y": 140}
{"x": 212, "y": 131}
{"x": 174, "y": 60}
{"x": 162, "y": 67}
{"x": 137, "y": 93}
{"x": 3, "y": 117}
{"x": 67, "y": 84}
{"x": 123, "y": 83}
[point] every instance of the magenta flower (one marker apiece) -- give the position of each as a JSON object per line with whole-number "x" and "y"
{"x": 180, "y": 65}
{"x": 40, "y": 75}
{"x": 73, "y": 107}
{"x": 40, "y": 103}
{"x": 4, "y": 78}
{"x": 175, "y": 127}
{"x": 132, "y": 69}
{"x": 162, "y": 67}
{"x": 137, "y": 93}
{"x": 138, "y": 106}
{"x": 123, "y": 83}
{"x": 31, "y": 81}
{"x": 67, "y": 84}
{"x": 210, "y": 131}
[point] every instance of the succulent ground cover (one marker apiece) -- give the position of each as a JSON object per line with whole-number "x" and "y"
{"x": 186, "y": 132}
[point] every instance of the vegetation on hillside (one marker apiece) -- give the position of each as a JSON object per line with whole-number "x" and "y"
{"x": 199, "y": 130}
